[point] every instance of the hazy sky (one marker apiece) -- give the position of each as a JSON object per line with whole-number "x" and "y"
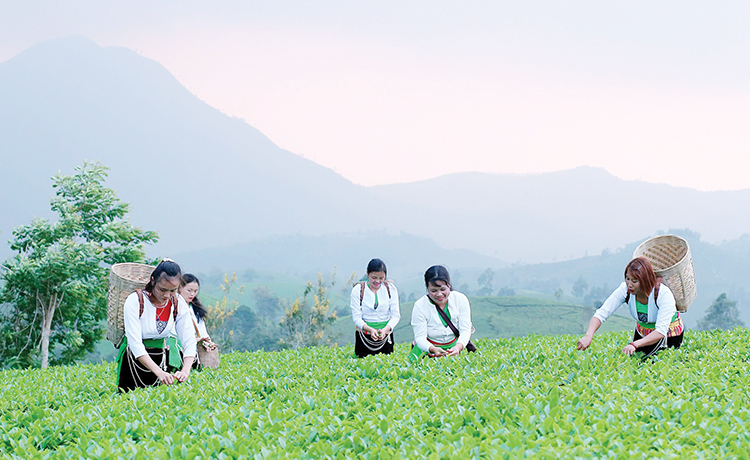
{"x": 394, "y": 91}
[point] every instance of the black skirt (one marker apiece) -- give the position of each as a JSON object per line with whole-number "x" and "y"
{"x": 365, "y": 346}
{"x": 665, "y": 342}
{"x": 133, "y": 374}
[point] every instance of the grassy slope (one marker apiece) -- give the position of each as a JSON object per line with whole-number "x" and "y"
{"x": 516, "y": 398}
{"x": 496, "y": 317}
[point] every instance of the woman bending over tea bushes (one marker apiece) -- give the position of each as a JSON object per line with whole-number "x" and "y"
{"x": 150, "y": 315}
{"x": 375, "y": 311}
{"x": 658, "y": 323}
{"x": 433, "y": 315}
{"x": 189, "y": 287}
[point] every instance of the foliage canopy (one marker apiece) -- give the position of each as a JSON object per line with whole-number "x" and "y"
{"x": 56, "y": 285}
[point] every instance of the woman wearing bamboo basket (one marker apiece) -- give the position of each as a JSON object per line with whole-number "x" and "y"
{"x": 658, "y": 323}
{"x": 375, "y": 311}
{"x": 189, "y": 287}
{"x": 441, "y": 319}
{"x": 150, "y": 315}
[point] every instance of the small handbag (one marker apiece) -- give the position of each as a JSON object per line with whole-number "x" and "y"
{"x": 470, "y": 347}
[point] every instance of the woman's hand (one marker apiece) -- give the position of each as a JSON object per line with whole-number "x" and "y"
{"x": 456, "y": 349}
{"x": 437, "y": 352}
{"x": 182, "y": 375}
{"x": 187, "y": 364}
{"x": 207, "y": 343}
{"x": 584, "y": 342}
{"x": 165, "y": 377}
{"x": 381, "y": 334}
{"x": 629, "y": 349}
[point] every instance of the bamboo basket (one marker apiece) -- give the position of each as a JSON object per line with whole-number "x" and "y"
{"x": 123, "y": 280}
{"x": 671, "y": 259}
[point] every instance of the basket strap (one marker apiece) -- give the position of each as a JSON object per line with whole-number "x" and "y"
{"x": 140, "y": 301}
{"x": 362, "y": 290}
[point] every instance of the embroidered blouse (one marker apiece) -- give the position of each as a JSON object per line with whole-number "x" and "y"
{"x": 152, "y": 325}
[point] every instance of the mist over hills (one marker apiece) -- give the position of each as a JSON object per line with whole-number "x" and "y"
{"x": 172, "y": 156}
{"x": 562, "y": 215}
{"x": 205, "y": 180}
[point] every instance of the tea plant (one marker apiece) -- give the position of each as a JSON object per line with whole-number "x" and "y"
{"x": 519, "y": 397}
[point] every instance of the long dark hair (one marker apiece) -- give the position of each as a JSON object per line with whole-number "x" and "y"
{"x": 437, "y": 273}
{"x": 167, "y": 268}
{"x": 198, "y": 308}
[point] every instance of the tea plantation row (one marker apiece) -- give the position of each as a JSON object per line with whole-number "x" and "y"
{"x": 520, "y": 397}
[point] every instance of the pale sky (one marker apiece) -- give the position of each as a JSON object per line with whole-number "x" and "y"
{"x": 394, "y": 91}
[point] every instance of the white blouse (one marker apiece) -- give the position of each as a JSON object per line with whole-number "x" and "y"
{"x": 138, "y": 329}
{"x": 202, "y": 332}
{"x": 660, "y": 314}
{"x": 388, "y": 306}
{"x": 425, "y": 320}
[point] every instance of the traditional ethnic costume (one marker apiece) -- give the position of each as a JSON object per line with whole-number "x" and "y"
{"x": 377, "y": 310}
{"x": 659, "y": 314}
{"x": 199, "y": 327}
{"x": 431, "y": 330}
{"x": 148, "y": 332}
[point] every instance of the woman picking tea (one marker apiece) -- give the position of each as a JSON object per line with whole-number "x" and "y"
{"x": 652, "y": 305}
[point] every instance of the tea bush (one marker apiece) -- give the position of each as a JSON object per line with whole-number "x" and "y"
{"x": 534, "y": 396}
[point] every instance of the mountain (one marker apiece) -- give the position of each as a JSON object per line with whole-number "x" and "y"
{"x": 195, "y": 175}
{"x": 407, "y": 256}
{"x": 205, "y": 180}
{"x": 560, "y": 215}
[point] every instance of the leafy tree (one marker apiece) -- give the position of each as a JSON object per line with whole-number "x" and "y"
{"x": 56, "y": 285}
{"x": 580, "y": 287}
{"x": 722, "y": 314}
{"x": 268, "y": 305}
{"x": 250, "y": 332}
{"x": 485, "y": 282}
{"x": 558, "y": 294}
{"x": 218, "y": 313}
{"x": 506, "y": 291}
{"x": 464, "y": 289}
{"x": 596, "y": 296}
{"x": 306, "y": 321}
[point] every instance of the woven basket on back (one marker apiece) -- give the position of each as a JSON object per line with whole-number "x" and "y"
{"x": 671, "y": 259}
{"x": 123, "y": 280}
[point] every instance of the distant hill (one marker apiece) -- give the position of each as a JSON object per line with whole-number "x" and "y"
{"x": 407, "y": 256}
{"x": 561, "y": 215}
{"x": 195, "y": 175}
{"x": 723, "y": 267}
{"x": 503, "y": 317}
{"x": 205, "y": 180}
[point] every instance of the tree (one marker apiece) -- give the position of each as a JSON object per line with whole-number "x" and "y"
{"x": 722, "y": 314}
{"x": 268, "y": 305}
{"x": 307, "y": 320}
{"x": 506, "y": 291}
{"x": 485, "y": 282}
{"x": 580, "y": 287}
{"x": 597, "y": 296}
{"x": 218, "y": 313}
{"x": 558, "y": 294}
{"x": 56, "y": 286}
